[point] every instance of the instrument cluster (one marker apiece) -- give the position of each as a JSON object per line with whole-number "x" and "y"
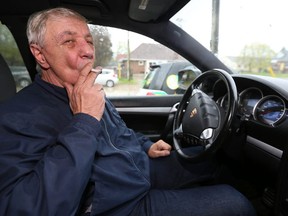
{"x": 269, "y": 109}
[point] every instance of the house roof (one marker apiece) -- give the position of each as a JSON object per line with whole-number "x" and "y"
{"x": 281, "y": 56}
{"x": 148, "y": 51}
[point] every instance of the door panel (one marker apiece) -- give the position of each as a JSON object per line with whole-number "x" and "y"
{"x": 152, "y": 115}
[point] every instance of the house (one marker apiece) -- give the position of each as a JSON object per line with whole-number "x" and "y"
{"x": 147, "y": 54}
{"x": 280, "y": 62}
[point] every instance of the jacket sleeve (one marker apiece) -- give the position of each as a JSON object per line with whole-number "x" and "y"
{"x": 144, "y": 141}
{"x": 50, "y": 180}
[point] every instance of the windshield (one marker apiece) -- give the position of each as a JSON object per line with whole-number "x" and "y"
{"x": 248, "y": 36}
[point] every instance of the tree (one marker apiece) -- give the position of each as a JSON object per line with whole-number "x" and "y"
{"x": 256, "y": 57}
{"x": 8, "y": 47}
{"x": 103, "y": 45}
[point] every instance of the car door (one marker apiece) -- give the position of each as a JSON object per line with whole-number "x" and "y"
{"x": 152, "y": 116}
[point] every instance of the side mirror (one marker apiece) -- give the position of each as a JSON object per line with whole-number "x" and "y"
{"x": 186, "y": 77}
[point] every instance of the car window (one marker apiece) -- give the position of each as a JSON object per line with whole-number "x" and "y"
{"x": 138, "y": 62}
{"x": 149, "y": 77}
{"x": 11, "y": 54}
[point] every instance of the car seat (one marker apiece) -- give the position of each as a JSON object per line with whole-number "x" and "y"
{"x": 7, "y": 82}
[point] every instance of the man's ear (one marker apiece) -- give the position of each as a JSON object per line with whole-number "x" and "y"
{"x": 38, "y": 55}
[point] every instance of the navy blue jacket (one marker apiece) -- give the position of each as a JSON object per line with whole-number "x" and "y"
{"x": 48, "y": 155}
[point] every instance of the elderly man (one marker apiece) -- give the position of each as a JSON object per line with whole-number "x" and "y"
{"x": 64, "y": 150}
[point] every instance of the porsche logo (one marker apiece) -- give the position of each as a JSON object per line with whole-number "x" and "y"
{"x": 193, "y": 113}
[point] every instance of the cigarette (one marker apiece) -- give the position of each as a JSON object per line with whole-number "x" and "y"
{"x": 97, "y": 70}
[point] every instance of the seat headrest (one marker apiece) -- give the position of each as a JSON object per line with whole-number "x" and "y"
{"x": 7, "y": 82}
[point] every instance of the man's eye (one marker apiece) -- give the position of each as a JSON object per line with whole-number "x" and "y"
{"x": 68, "y": 41}
{"x": 90, "y": 42}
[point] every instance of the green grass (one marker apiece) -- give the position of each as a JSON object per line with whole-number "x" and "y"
{"x": 126, "y": 81}
{"x": 131, "y": 82}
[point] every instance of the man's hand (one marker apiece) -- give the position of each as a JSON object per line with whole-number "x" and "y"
{"x": 86, "y": 96}
{"x": 159, "y": 149}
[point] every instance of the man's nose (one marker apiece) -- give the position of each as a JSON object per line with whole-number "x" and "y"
{"x": 86, "y": 50}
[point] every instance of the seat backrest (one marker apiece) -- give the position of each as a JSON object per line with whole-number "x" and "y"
{"x": 7, "y": 82}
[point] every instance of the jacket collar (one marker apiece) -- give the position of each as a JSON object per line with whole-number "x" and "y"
{"x": 57, "y": 91}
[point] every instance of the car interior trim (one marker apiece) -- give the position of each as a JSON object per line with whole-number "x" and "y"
{"x": 264, "y": 146}
{"x": 148, "y": 110}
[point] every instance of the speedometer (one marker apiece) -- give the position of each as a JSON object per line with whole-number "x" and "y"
{"x": 270, "y": 110}
{"x": 248, "y": 99}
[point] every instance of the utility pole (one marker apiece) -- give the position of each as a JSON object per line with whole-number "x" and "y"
{"x": 129, "y": 75}
{"x": 215, "y": 27}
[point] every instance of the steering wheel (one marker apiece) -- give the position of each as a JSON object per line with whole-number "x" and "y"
{"x": 200, "y": 125}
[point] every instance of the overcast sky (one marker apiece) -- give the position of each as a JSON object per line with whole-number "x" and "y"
{"x": 241, "y": 23}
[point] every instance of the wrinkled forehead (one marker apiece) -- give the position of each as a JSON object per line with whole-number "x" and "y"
{"x": 67, "y": 27}
{"x": 67, "y": 22}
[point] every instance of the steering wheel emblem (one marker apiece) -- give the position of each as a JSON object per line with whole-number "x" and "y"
{"x": 193, "y": 113}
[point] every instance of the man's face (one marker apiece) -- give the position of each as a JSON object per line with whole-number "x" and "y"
{"x": 68, "y": 47}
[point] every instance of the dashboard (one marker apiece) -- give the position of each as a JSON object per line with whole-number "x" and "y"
{"x": 258, "y": 100}
{"x": 266, "y": 109}
{"x": 262, "y": 107}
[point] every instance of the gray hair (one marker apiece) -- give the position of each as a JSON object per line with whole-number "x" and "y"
{"x": 36, "y": 26}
